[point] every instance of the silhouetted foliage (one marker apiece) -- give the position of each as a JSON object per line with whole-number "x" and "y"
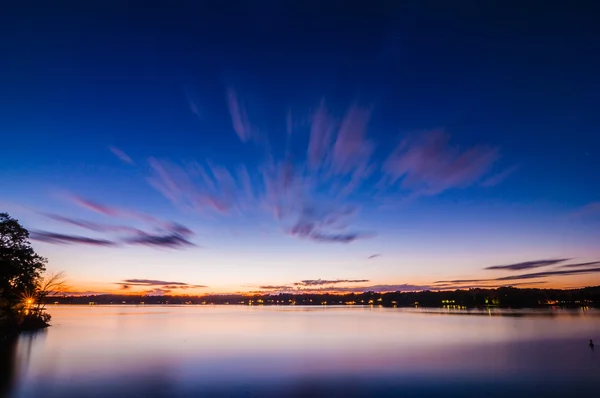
{"x": 21, "y": 270}
{"x": 20, "y": 267}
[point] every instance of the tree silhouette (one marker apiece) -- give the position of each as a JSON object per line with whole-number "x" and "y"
{"x": 21, "y": 268}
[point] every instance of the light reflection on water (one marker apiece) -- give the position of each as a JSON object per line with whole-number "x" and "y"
{"x": 170, "y": 351}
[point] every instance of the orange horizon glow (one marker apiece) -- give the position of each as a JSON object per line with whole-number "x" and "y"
{"x": 96, "y": 289}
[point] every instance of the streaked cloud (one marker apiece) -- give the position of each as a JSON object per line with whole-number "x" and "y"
{"x": 56, "y": 238}
{"x": 320, "y": 224}
{"x": 119, "y": 212}
{"x": 533, "y": 275}
{"x": 81, "y": 293}
{"x": 96, "y": 207}
{"x": 589, "y": 210}
{"x": 496, "y": 179}
{"x": 239, "y": 117}
{"x": 339, "y": 238}
{"x": 167, "y": 234}
{"x": 314, "y": 196}
{"x": 92, "y": 226}
{"x": 579, "y": 265}
{"x": 528, "y": 264}
{"x": 321, "y": 282}
{"x": 428, "y": 164}
{"x": 383, "y": 288}
{"x": 199, "y": 187}
{"x": 194, "y": 108}
{"x": 157, "y": 282}
{"x": 173, "y": 241}
{"x": 309, "y": 285}
{"x": 121, "y": 155}
{"x": 372, "y": 256}
{"x": 276, "y": 287}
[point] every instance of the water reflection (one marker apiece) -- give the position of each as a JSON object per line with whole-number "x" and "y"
{"x": 14, "y": 358}
{"x": 7, "y": 364}
{"x": 171, "y": 351}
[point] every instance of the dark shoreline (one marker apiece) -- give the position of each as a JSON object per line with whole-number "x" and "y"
{"x": 505, "y": 297}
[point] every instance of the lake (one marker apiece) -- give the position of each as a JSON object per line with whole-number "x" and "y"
{"x": 243, "y": 351}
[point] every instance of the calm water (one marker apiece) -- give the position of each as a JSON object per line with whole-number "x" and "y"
{"x": 197, "y": 351}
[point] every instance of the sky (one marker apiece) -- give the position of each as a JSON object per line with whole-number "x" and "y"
{"x": 264, "y": 146}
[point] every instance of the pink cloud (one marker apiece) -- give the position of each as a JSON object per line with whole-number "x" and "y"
{"x": 306, "y": 196}
{"x": 428, "y": 165}
{"x": 351, "y": 149}
{"x": 121, "y": 155}
{"x": 321, "y": 136}
{"x": 96, "y": 207}
{"x": 126, "y": 213}
{"x": 195, "y": 190}
{"x": 239, "y": 117}
{"x": 92, "y": 226}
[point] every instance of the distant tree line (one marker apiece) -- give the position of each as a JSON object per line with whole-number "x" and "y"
{"x": 504, "y": 297}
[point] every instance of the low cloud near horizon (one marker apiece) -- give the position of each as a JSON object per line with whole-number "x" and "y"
{"x": 156, "y": 287}
{"x": 534, "y": 275}
{"x": 528, "y": 264}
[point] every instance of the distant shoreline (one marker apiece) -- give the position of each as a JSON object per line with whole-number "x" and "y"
{"x": 505, "y": 297}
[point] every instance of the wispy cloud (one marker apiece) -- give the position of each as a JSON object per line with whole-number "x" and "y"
{"x": 528, "y": 264}
{"x": 321, "y": 282}
{"x": 167, "y": 234}
{"x": 239, "y": 117}
{"x": 55, "y": 238}
{"x": 429, "y": 165}
{"x": 339, "y": 238}
{"x": 579, "y": 265}
{"x": 351, "y": 149}
{"x": 121, "y": 155}
{"x": 313, "y": 196}
{"x": 81, "y": 293}
{"x": 156, "y": 287}
{"x": 309, "y": 285}
{"x": 552, "y": 273}
{"x": 373, "y": 256}
{"x": 533, "y": 275}
{"x": 158, "y": 282}
{"x": 194, "y": 108}
{"x": 200, "y": 188}
{"x": 322, "y": 224}
{"x": 321, "y": 136}
{"x": 92, "y": 226}
{"x": 172, "y": 241}
{"x": 118, "y": 212}
{"x": 589, "y": 210}
{"x": 276, "y": 287}
{"x": 498, "y": 178}
{"x": 96, "y": 207}
{"x": 334, "y": 287}
{"x": 383, "y": 288}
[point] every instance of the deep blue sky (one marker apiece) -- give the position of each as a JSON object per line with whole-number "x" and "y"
{"x": 153, "y": 81}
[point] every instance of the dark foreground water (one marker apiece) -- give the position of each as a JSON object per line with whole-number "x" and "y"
{"x": 231, "y": 351}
